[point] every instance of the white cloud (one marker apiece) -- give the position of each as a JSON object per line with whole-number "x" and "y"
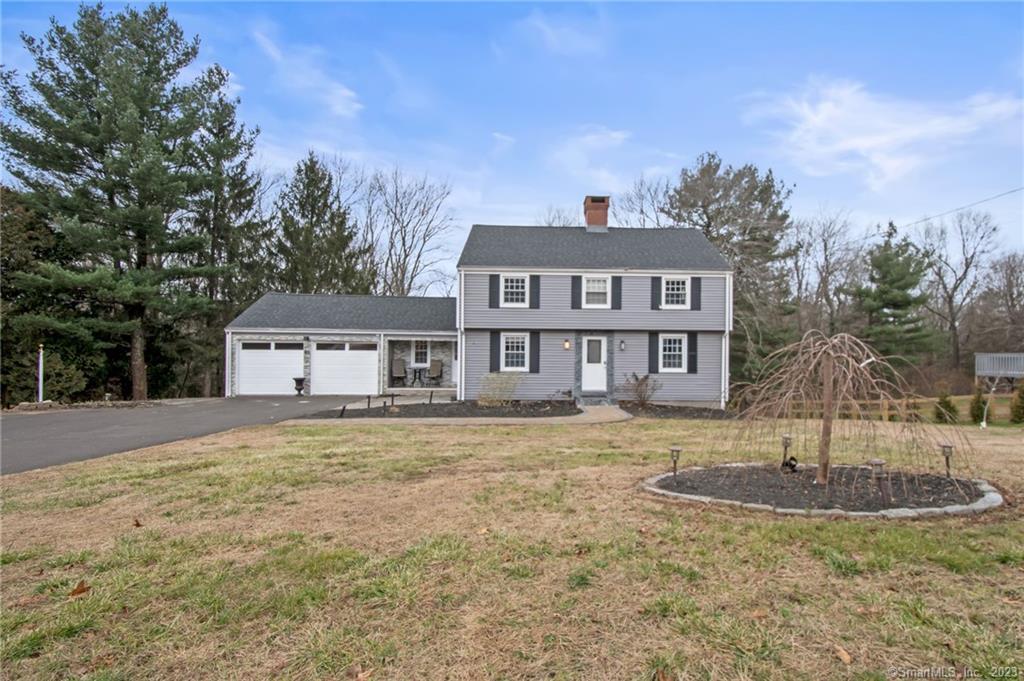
{"x": 408, "y": 92}
{"x": 568, "y": 35}
{"x": 838, "y": 126}
{"x": 582, "y": 154}
{"x": 502, "y": 142}
{"x": 299, "y": 68}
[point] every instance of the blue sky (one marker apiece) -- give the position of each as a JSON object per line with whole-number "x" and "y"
{"x": 888, "y": 111}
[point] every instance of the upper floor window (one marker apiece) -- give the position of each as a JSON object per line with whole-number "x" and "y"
{"x": 420, "y": 353}
{"x": 513, "y": 351}
{"x": 597, "y": 291}
{"x": 515, "y": 290}
{"x": 675, "y": 292}
{"x": 673, "y": 353}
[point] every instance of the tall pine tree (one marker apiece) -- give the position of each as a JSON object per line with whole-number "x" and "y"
{"x": 101, "y": 135}
{"x": 892, "y": 301}
{"x": 317, "y": 248}
{"x": 227, "y": 213}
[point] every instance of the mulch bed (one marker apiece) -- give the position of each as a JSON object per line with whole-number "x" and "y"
{"x": 673, "y": 411}
{"x": 468, "y": 409}
{"x": 850, "y": 488}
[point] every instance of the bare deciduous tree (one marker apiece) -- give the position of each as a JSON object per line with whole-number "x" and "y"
{"x": 824, "y": 268}
{"x": 406, "y": 219}
{"x": 643, "y": 204}
{"x": 996, "y": 318}
{"x": 555, "y": 216}
{"x": 958, "y": 254}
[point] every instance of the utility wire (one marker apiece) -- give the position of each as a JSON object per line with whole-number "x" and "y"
{"x": 969, "y": 205}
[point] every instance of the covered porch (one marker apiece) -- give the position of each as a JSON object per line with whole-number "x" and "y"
{"x": 415, "y": 362}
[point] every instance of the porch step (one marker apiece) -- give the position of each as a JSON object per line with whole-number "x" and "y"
{"x": 585, "y": 400}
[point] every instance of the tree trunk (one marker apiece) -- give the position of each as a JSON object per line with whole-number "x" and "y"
{"x": 138, "y": 361}
{"x": 825, "y": 445}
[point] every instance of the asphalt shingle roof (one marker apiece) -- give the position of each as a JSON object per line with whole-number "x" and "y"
{"x": 370, "y": 313}
{"x": 674, "y": 248}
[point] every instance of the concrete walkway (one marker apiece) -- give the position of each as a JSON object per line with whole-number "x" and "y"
{"x": 591, "y": 415}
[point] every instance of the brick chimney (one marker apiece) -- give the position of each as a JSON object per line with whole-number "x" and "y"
{"x": 595, "y": 209}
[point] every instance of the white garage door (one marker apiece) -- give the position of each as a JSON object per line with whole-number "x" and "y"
{"x": 344, "y": 369}
{"x": 266, "y": 368}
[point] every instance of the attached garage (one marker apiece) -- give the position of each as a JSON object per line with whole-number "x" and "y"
{"x": 269, "y": 367}
{"x": 339, "y": 344}
{"x": 338, "y": 368}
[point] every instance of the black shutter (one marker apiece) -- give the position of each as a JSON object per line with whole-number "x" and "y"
{"x": 577, "y": 292}
{"x": 655, "y": 293}
{"x": 691, "y": 353}
{"x": 652, "y": 353}
{"x": 535, "y": 352}
{"x": 534, "y": 291}
{"x": 495, "y": 351}
{"x": 694, "y": 293}
{"x": 616, "y": 293}
{"x": 495, "y": 293}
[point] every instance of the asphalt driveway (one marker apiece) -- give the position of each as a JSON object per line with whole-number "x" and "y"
{"x": 40, "y": 439}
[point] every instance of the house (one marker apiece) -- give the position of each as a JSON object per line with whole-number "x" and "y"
{"x": 541, "y": 313}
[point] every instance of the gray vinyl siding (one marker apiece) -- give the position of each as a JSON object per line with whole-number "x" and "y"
{"x": 554, "y": 381}
{"x": 556, "y": 313}
{"x": 705, "y": 385}
{"x": 556, "y": 378}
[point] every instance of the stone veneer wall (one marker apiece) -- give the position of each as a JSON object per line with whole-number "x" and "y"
{"x": 442, "y": 350}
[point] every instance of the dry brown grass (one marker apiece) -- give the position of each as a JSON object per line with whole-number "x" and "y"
{"x": 481, "y": 552}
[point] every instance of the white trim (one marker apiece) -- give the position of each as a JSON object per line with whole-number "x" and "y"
{"x": 526, "y": 290}
{"x": 728, "y": 303}
{"x": 607, "y": 305}
{"x": 460, "y": 390}
{"x": 724, "y": 376}
{"x": 228, "y": 358}
{"x": 662, "y": 369}
{"x": 339, "y": 332}
{"x": 622, "y": 271}
{"x": 526, "y": 351}
{"x": 383, "y": 353}
{"x": 689, "y": 289}
{"x": 412, "y": 353}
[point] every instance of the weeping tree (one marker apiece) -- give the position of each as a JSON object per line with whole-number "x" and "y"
{"x": 833, "y": 390}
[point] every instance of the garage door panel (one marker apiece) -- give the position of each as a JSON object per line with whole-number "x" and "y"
{"x": 263, "y": 369}
{"x": 344, "y": 369}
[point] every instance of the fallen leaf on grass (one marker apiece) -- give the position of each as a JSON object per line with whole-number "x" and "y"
{"x": 80, "y": 588}
{"x": 843, "y": 655}
{"x": 358, "y": 674}
{"x": 483, "y": 530}
{"x": 661, "y": 675}
{"x": 136, "y": 523}
{"x": 759, "y": 614}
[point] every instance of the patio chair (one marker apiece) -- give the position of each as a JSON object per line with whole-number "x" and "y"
{"x": 435, "y": 372}
{"x": 398, "y": 374}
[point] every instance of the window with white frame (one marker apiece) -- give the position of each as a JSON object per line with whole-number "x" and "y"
{"x": 675, "y": 292}
{"x": 673, "y": 353}
{"x": 514, "y": 290}
{"x": 514, "y": 347}
{"x": 597, "y": 291}
{"x": 420, "y": 353}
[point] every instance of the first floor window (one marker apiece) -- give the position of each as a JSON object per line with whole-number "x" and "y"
{"x": 673, "y": 353}
{"x": 513, "y": 352}
{"x": 513, "y": 291}
{"x": 675, "y": 292}
{"x": 421, "y": 353}
{"x": 595, "y": 291}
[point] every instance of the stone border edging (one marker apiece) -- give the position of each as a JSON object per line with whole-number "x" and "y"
{"x": 991, "y": 498}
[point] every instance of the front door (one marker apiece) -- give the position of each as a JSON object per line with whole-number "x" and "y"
{"x": 595, "y": 360}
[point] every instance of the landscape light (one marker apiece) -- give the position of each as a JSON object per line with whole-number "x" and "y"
{"x": 947, "y": 454}
{"x": 674, "y": 453}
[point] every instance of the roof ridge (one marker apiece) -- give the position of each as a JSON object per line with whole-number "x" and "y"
{"x": 358, "y": 295}
{"x": 554, "y": 227}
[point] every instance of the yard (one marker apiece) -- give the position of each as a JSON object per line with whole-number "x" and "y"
{"x": 482, "y": 552}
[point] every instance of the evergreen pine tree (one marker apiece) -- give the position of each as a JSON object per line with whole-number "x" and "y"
{"x": 1017, "y": 406}
{"x": 316, "y": 246}
{"x": 892, "y": 301}
{"x": 978, "y": 405}
{"x": 101, "y": 135}
{"x": 945, "y": 410}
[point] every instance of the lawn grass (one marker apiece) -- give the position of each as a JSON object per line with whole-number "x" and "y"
{"x": 482, "y": 552}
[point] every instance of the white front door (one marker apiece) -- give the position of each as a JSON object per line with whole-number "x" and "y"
{"x": 595, "y": 360}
